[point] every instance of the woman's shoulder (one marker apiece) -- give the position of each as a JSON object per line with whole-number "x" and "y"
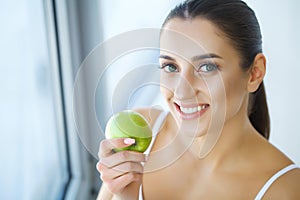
{"x": 286, "y": 186}
{"x": 286, "y": 175}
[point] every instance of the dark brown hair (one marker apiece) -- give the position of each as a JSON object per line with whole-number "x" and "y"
{"x": 238, "y": 23}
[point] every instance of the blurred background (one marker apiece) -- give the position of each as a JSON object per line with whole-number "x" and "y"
{"x": 42, "y": 46}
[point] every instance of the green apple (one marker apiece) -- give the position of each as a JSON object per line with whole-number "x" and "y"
{"x": 129, "y": 124}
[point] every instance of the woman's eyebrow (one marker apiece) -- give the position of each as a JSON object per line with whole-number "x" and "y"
{"x": 166, "y": 57}
{"x": 205, "y": 56}
{"x": 194, "y": 58}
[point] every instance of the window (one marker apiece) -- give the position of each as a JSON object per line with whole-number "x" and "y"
{"x": 33, "y": 148}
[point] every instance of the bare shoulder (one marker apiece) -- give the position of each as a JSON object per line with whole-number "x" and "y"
{"x": 286, "y": 187}
{"x": 149, "y": 113}
{"x": 271, "y": 160}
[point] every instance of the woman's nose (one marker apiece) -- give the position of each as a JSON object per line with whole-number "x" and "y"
{"x": 185, "y": 88}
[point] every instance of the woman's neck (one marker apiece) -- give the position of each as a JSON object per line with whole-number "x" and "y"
{"x": 218, "y": 148}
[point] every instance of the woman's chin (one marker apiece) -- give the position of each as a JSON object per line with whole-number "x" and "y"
{"x": 192, "y": 130}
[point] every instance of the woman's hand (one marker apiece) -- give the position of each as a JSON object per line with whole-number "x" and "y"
{"x": 120, "y": 172}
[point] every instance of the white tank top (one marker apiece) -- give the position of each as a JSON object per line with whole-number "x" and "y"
{"x": 158, "y": 123}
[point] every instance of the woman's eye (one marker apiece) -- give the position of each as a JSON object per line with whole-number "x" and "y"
{"x": 208, "y": 67}
{"x": 170, "y": 68}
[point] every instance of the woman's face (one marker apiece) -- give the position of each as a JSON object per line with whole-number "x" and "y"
{"x": 201, "y": 79}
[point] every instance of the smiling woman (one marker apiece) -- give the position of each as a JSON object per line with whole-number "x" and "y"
{"x": 211, "y": 75}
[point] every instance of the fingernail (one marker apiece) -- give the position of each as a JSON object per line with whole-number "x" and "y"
{"x": 129, "y": 141}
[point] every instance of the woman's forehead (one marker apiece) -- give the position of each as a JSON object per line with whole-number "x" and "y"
{"x": 192, "y": 37}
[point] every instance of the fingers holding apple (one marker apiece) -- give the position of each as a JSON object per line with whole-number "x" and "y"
{"x": 123, "y": 156}
{"x": 108, "y": 174}
{"x": 122, "y": 180}
{"x": 107, "y": 145}
{"x": 121, "y": 172}
{"x": 122, "y": 161}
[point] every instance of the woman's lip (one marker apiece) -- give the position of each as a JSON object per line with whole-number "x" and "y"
{"x": 191, "y": 108}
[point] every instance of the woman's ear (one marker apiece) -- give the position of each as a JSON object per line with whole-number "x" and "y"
{"x": 257, "y": 73}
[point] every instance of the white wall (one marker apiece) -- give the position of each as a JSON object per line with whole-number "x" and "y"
{"x": 280, "y": 26}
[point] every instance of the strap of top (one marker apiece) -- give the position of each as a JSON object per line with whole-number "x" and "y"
{"x": 272, "y": 179}
{"x": 156, "y": 127}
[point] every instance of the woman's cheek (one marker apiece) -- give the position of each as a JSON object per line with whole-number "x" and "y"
{"x": 167, "y": 85}
{"x": 235, "y": 97}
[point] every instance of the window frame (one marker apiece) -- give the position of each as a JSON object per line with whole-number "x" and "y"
{"x": 65, "y": 57}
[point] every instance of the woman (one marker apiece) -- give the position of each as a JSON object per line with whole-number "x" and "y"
{"x": 213, "y": 143}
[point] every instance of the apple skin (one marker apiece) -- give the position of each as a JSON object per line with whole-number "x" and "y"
{"x": 130, "y": 124}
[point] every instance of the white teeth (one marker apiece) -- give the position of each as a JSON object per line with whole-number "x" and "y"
{"x": 192, "y": 110}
